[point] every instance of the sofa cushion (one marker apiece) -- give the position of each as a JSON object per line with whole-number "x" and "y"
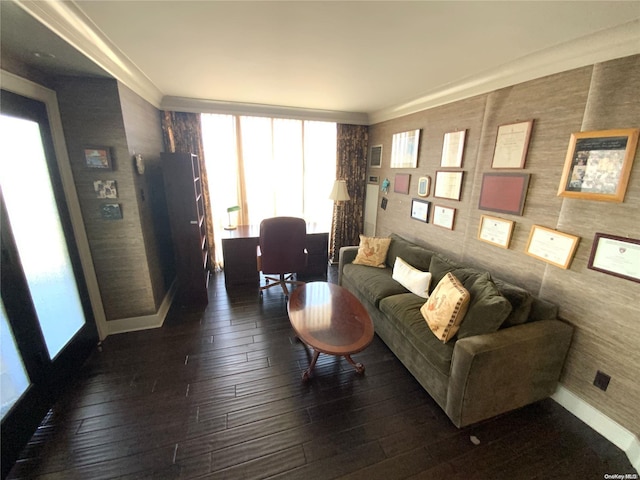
{"x": 411, "y": 253}
{"x": 404, "y": 311}
{"x": 487, "y": 310}
{"x": 439, "y": 267}
{"x": 373, "y": 283}
{"x": 372, "y": 251}
{"x": 446, "y": 307}
{"x": 414, "y": 280}
{"x": 521, "y": 301}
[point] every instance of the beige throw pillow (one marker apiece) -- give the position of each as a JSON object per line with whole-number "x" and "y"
{"x": 446, "y": 307}
{"x": 372, "y": 251}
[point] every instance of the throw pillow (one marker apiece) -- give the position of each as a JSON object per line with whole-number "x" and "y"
{"x": 488, "y": 308}
{"x": 414, "y": 280}
{"x": 446, "y": 307}
{"x": 372, "y": 251}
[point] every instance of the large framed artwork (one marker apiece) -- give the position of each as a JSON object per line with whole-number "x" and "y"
{"x": 598, "y": 164}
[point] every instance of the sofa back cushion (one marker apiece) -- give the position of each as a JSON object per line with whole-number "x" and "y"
{"x": 416, "y": 256}
{"x": 521, "y": 301}
{"x": 488, "y": 308}
{"x": 439, "y": 267}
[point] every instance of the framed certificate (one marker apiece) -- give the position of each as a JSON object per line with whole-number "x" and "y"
{"x": 551, "y": 246}
{"x": 452, "y": 149}
{"x": 420, "y": 210}
{"x": 444, "y": 216}
{"x": 617, "y": 256}
{"x": 448, "y": 185}
{"x": 512, "y": 143}
{"x": 495, "y": 231}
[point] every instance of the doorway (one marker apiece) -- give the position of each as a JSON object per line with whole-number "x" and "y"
{"x": 46, "y": 320}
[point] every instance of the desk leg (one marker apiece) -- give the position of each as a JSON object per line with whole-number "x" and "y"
{"x": 358, "y": 366}
{"x": 307, "y": 373}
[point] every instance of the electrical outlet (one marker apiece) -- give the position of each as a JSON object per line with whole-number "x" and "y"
{"x": 602, "y": 380}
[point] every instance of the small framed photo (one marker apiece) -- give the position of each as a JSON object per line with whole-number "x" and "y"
{"x": 512, "y": 144}
{"x": 375, "y": 156}
{"x": 424, "y": 186}
{"x": 373, "y": 179}
{"x": 495, "y": 231}
{"x": 448, "y": 185}
{"x": 420, "y": 210}
{"x": 404, "y": 149}
{"x": 383, "y": 203}
{"x": 452, "y": 149}
{"x": 444, "y": 216}
{"x": 105, "y": 189}
{"x": 598, "y": 165}
{"x": 98, "y": 157}
{"x": 111, "y": 211}
{"x": 551, "y": 246}
{"x": 401, "y": 183}
{"x": 617, "y": 256}
{"x": 504, "y": 192}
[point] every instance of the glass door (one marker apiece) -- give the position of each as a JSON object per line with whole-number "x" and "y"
{"x": 47, "y": 325}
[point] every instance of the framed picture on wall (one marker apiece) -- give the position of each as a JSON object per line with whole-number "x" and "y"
{"x": 375, "y": 156}
{"x": 512, "y": 143}
{"x": 420, "y": 210}
{"x": 401, "y": 183}
{"x": 598, "y": 164}
{"x": 448, "y": 185}
{"x": 496, "y": 231}
{"x": 444, "y": 216}
{"x": 404, "y": 149}
{"x": 105, "y": 189}
{"x": 504, "y": 192}
{"x": 98, "y": 157}
{"x": 615, "y": 255}
{"x": 452, "y": 149}
{"x": 424, "y": 186}
{"x": 551, "y": 246}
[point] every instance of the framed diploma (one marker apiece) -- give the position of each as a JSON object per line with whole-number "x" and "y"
{"x": 512, "y": 143}
{"x": 598, "y": 165}
{"x": 444, "y": 216}
{"x": 452, "y": 149}
{"x": 420, "y": 210}
{"x": 404, "y": 149}
{"x": 617, "y": 256}
{"x": 448, "y": 185}
{"x": 551, "y": 246}
{"x": 495, "y": 231}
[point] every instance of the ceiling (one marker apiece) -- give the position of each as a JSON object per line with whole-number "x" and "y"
{"x": 374, "y": 60}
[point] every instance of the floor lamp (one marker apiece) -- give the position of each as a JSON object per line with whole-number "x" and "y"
{"x": 339, "y": 194}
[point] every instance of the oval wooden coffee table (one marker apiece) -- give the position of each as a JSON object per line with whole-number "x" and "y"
{"x": 331, "y": 320}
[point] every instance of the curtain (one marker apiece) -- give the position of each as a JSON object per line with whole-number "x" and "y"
{"x": 348, "y": 217}
{"x": 182, "y": 132}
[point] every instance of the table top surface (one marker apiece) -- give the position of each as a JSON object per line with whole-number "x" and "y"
{"x": 330, "y": 319}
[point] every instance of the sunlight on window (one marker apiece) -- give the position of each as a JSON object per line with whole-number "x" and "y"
{"x": 13, "y": 376}
{"x": 270, "y": 167}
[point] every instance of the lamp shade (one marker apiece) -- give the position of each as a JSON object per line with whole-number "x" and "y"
{"x": 235, "y": 208}
{"x": 339, "y": 192}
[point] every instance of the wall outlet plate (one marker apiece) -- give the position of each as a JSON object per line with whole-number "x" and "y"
{"x": 602, "y": 380}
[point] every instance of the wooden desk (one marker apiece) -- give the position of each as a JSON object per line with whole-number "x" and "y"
{"x": 239, "y": 251}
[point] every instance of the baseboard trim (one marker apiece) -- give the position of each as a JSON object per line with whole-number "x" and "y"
{"x": 145, "y": 322}
{"x": 605, "y": 426}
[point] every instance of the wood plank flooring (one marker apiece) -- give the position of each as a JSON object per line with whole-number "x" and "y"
{"x": 218, "y": 394}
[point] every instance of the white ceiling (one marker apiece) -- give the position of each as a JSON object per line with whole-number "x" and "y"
{"x": 381, "y": 59}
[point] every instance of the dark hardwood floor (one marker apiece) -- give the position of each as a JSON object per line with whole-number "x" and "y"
{"x": 218, "y": 394}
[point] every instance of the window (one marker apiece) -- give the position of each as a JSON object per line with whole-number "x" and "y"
{"x": 269, "y": 167}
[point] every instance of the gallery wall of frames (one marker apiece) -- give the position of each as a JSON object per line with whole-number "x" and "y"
{"x": 537, "y": 184}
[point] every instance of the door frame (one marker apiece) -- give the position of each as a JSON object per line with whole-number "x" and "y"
{"x": 26, "y": 88}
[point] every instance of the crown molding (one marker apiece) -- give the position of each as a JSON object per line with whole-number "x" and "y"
{"x": 70, "y": 23}
{"x": 616, "y": 42}
{"x": 195, "y": 105}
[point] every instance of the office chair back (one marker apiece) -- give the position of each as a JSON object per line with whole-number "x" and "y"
{"x": 282, "y": 245}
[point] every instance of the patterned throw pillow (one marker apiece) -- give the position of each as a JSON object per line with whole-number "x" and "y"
{"x": 372, "y": 251}
{"x": 446, "y": 307}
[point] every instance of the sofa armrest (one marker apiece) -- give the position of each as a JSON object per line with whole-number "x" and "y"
{"x": 347, "y": 255}
{"x": 495, "y": 373}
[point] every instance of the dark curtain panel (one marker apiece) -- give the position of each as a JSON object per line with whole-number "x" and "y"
{"x": 182, "y": 133}
{"x": 348, "y": 217}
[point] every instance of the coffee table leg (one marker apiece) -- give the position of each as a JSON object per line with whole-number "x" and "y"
{"x": 307, "y": 373}
{"x": 358, "y": 366}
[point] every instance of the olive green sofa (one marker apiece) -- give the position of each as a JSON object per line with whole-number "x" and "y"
{"x": 501, "y": 366}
